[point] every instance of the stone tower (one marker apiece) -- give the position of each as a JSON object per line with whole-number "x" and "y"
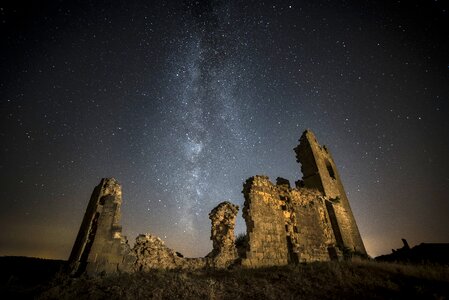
{"x": 99, "y": 245}
{"x": 319, "y": 172}
{"x": 265, "y": 224}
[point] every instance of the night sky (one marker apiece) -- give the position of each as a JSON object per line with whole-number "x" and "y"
{"x": 183, "y": 101}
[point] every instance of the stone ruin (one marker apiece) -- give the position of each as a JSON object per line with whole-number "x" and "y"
{"x": 99, "y": 244}
{"x": 285, "y": 225}
{"x": 222, "y": 234}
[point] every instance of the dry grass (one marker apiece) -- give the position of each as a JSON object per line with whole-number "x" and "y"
{"x": 344, "y": 280}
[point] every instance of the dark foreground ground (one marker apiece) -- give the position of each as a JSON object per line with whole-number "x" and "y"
{"x": 33, "y": 278}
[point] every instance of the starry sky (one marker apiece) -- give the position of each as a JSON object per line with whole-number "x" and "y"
{"x": 181, "y": 101}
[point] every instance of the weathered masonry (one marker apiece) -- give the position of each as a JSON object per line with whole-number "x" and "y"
{"x": 285, "y": 225}
{"x": 311, "y": 222}
{"x": 319, "y": 172}
{"x": 100, "y": 245}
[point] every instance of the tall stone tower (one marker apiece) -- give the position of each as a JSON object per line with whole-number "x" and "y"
{"x": 99, "y": 245}
{"x": 319, "y": 172}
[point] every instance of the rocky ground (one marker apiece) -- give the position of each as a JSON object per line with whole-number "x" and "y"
{"x": 344, "y": 280}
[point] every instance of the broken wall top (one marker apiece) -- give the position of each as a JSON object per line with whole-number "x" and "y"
{"x": 111, "y": 187}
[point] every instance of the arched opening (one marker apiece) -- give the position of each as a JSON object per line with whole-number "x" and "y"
{"x": 330, "y": 170}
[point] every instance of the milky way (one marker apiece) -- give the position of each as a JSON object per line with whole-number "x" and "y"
{"x": 204, "y": 118}
{"x": 183, "y": 101}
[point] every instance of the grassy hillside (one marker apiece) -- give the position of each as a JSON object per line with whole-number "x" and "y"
{"x": 25, "y": 277}
{"x": 346, "y": 280}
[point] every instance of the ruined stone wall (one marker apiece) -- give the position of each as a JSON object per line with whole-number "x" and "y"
{"x": 285, "y": 225}
{"x": 307, "y": 224}
{"x": 312, "y": 230}
{"x": 99, "y": 246}
{"x": 266, "y": 234}
{"x": 85, "y": 232}
{"x": 290, "y": 220}
{"x": 303, "y": 234}
{"x": 224, "y": 250}
{"x": 109, "y": 248}
{"x": 319, "y": 172}
{"x": 151, "y": 253}
{"x": 350, "y": 239}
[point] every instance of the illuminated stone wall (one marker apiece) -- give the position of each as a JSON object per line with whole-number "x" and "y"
{"x": 266, "y": 234}
{"x": 100, "y": 246}
{"x": 320, "y": 172}
{"x": 285, "y": 225}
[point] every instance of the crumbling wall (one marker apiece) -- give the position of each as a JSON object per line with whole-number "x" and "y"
{"x": 223, "y": 218}
{"x": 319, "y": 172}
{"x": 345, "y": 225}
{"x": 109, "y": 247}
{"x": 312, "y": 230}
{"x": 152, "y": 253}
{"x": 99, "y": 246}
{"x": 290, "y": 220}
{"x": 285, "y": 225}
{"x": 307, "y": 224}
{"x": 267, "y": 241}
